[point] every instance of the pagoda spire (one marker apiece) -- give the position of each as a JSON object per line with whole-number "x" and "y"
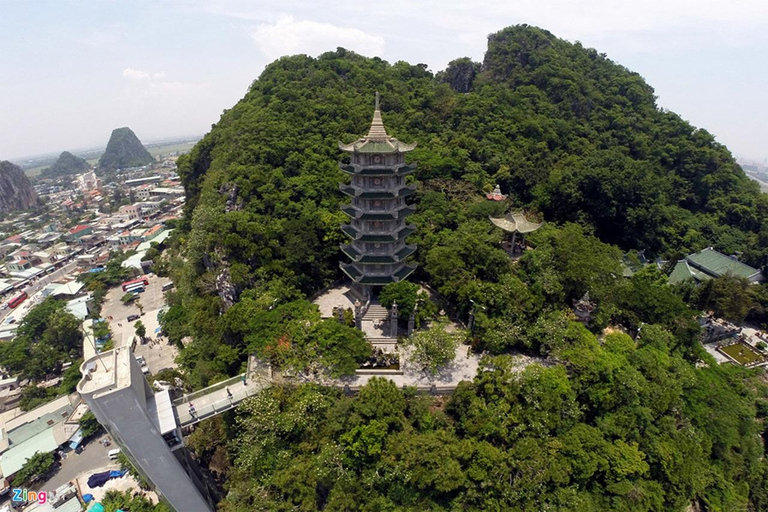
{"x": 377, "y": 131}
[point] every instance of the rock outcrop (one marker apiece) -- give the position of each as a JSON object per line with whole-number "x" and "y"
{"x": 16, "y": 192}
{"x": 124, "y": 150}
{"x": 65, "y": 165}
{"x": 460, "y": 74}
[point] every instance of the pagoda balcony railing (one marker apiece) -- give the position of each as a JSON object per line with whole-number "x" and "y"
{"x": 392, "y": 192}
{"x": 400, "y": 169}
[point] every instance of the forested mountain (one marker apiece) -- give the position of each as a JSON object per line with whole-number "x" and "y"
{"x": 646, "y": 424}
{"x": 65, "y": 165}
{"x": 124, "y": 150}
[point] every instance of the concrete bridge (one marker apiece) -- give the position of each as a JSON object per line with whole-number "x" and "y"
{"x": 222, "y": 396}
{"x": 216, "y": 399}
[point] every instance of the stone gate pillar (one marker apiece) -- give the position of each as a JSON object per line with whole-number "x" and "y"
{"x": 393, "y": 321}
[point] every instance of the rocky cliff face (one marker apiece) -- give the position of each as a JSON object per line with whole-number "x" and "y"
{"x": 124, "y": 150}
{"x": 16, "y": 192}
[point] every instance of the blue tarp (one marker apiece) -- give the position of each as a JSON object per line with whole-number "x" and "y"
{"x": 97, "y": 507}
{"x": 97, "y": 269}
{"x": 98, "y": 479}
{"x": 158, "y": 330}
{"x": 87, "y": 497}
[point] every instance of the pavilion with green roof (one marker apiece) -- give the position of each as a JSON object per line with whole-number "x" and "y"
{"x": 710, "y": 264}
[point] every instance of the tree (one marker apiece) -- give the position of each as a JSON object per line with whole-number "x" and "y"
{"x": 434, "y": 348}
{"x": 128, "y": 297}
{"x": 140, "y": 329}
{"x": 34, "y": 468}
{"x": 403, "y": 293}
{"x": 89, "y": 425}
{"x": 730, "y": 297}
{"x": 117, "y": 500}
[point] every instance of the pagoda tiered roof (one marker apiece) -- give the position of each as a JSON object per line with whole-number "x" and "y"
{"x": 398, "y": 213}
{"x": 377, "y": 140}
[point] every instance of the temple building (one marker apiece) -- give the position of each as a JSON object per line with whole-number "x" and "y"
{"x": 512, "y": 224}
{"x": 378, "y": 209}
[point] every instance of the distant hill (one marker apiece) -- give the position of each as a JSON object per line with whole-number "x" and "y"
{"x": 65, "y": 165}
{"x": 16, "y": 192}
{"x": 124, "y": 150}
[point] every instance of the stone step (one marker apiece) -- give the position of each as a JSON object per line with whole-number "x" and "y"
{"x": 382, "y": 341}
{"x": 376, "y": 313}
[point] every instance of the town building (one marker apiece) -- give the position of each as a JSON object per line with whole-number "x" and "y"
{"x": 141, "y": 181}
{"x": 378, "y": 210}
{"x": 142, "y": 192}
{"x": 18, "y": 265}
{"x": 78, "y": 231}
{"x": 129, "y": 212}
{"x": 43, "y": 429}
{"x": 87, "y": 181}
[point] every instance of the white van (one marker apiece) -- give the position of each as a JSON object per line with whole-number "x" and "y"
{"x": 113, "y": 453}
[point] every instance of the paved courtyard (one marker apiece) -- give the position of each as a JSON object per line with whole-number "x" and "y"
{"x": 152, "y": 300}
{"x": 332, "y": 298}
{"x": 158, "y": 354}
{"x": 464, "y": 367}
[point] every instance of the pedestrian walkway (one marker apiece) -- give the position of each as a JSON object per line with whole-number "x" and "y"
{"x": 220, "y": 397}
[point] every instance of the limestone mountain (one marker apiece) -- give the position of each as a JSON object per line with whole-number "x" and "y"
{"x": 65, "y": 165}
{"x": 16, "y": 192}
{"x": 124, "y": 150}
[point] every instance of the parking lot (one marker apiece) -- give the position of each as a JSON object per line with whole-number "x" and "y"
{"x": 152, "y": 300}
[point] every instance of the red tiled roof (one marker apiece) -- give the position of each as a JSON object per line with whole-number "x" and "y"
{"x": 79, "y": 228}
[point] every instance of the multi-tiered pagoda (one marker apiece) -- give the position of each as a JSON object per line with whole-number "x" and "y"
{"x": 378, "y": 210}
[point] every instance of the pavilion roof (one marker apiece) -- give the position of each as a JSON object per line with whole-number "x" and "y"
{"x": 516, "y": 222}
{"x": 377, "y": 140}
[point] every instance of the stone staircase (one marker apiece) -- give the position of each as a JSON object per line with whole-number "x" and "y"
{"x": 376, "y": 312}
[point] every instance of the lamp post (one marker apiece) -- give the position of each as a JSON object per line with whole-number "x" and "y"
{"x": 471, "y": 323}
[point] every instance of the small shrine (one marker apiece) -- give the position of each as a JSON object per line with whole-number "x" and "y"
{"x": 583, "y": 309}
{"x": 496, "y": 195}
{"x": 512, "y": 224}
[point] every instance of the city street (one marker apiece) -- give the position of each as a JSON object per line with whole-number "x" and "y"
{"x": 32, "y": 290}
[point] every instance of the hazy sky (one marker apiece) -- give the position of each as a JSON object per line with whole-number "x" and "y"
{"x": 72, "y": 71}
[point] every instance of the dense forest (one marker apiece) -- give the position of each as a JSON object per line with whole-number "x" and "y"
{"x": 66, "y": 165}
{"x": 611, "y": 422}
{"x": 124, "y": 149}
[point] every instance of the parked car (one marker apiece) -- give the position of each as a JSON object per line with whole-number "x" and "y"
{"x": 142, "y": 364}
{"x": 131, "y": 318}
